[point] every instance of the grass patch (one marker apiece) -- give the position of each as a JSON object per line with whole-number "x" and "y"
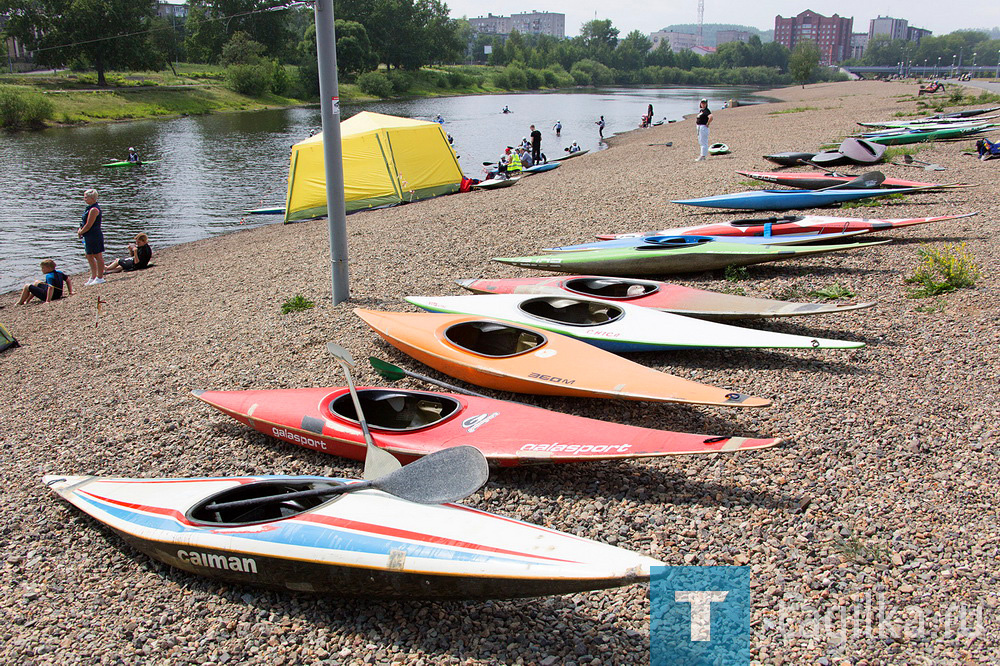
{"x": 932, "y": 307}
{"x": 857, "y": 551}
{"x": 892, "y": 152}
{"x": 871, "y": 203}
{"x": 791, "y": 293}
{"x": 296, "y": 303}
{"x": 797, "y": 109}
{"x": 834, "y": 292}
{"x": 944, "y": 270}
{"x": 736, "y": 273}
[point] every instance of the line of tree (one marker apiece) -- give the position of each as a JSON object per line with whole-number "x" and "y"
{"x": 399, "y": 34}
{"x": 885, "y": 52}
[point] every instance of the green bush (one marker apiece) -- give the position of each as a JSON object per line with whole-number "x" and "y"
{"x": 250, "y": 80}
{"x": 400, "y": 80}
{"x": 534, "y": 79}
{"x": 21, "y": 108}
{"x": 834, "y": 292}
{"x": 501, "y": 80}
{"x": 941, "y": 271}
{"x": 375, "y": 84}
{"x": 517, "y": 79}
{"x": 280, "y": 81}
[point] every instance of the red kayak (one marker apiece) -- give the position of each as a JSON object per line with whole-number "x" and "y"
{"x": 817, "y": 181}
{"x": 410, "y": 424}
{"x": 789, "y": 224}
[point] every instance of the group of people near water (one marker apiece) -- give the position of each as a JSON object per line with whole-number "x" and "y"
{"x": 55, "y": 284}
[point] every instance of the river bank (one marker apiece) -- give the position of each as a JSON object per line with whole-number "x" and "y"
{"x": 882, "y": 491}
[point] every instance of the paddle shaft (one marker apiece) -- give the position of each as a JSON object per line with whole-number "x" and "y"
{"x": 332, "y": 490}
{"x": 446, "y": 385}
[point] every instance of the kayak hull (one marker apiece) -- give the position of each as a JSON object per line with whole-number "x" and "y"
{"x": 497, "y": 183}
{"x": 558, "y": 365}
{"x": 782, "y": 239}
{"x": 659, "y": 295}
{"x": 362, "y": 544}
{"x": 641, "y": 261}
{"x": 508, "y": 433}
{"x": 786, "y": 199}
{"x": 789, "y": 158}
{"x": 626, "y": 327}
{"x": 794, "y": 224}
{"x": 542, "y": 168}
{"x": 818, "y": 181}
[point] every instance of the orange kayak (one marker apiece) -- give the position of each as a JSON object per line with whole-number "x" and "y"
{"x": 523, "y": 359}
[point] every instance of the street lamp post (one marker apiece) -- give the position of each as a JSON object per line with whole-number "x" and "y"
{"x": 937, "y": 67}
{"x": 925, "y": 67}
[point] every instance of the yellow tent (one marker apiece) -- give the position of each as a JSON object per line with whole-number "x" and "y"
{"x": 387, "y": 160}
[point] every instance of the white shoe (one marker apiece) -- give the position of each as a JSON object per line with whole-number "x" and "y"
{"x": 99, "y": 281}
{"x": 88, "y": 282}
{"x": 700, "y": 158}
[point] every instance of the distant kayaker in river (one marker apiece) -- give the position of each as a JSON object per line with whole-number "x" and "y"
{"x": 133, "y": 156}
{"x": 93, "y": 237}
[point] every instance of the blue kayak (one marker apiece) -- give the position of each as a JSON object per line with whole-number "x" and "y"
{"x": 541, "y": 168}
{"x": 787, "y": 199}
{"x": 784, "y": 239}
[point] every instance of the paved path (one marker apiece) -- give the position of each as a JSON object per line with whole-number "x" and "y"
{"x": 991, "y": 86}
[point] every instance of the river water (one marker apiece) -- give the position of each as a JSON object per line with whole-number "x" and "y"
{"x": 213, "y": 168}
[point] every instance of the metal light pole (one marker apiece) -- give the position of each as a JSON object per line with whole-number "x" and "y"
{"x": 329, "y": 94}
{"x": 953, "y": 58}
{"x": 998, "y": 63}
{"x": 937, "y": 66}
{"x": 974, "y": 54}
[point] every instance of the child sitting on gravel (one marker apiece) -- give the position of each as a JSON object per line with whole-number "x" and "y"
{"x": 140, "y": 253}
{"x": 48, "y": 289}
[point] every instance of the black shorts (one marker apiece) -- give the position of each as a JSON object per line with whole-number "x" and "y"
{"x": 127, "y": 264}
{"x": 93, "y": 243}
{"x": 41, "y": 291}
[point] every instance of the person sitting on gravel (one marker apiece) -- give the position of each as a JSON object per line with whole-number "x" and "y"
{"x": 49, "y": 288}
{"x": 140, "y": 253}
{"x": 987, "y": 149}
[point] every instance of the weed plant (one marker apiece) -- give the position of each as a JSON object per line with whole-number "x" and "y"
{"x": 832, "y": 293}
{"x": 944, "y": 270}
{"x": 297, "y": 303}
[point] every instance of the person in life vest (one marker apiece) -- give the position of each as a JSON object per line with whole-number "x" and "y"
{"x": 133, "y": 156}
{"x": 513, "y": 164}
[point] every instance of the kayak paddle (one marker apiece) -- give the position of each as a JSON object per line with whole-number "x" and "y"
{"x": 394, "y": 373}
{"x": 447, "y": 475}
{"x": 378, "y": 462}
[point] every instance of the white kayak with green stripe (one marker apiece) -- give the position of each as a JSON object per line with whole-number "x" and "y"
{"x": 619, "y": 327}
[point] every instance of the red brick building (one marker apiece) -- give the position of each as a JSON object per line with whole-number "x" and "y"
{"x": 832, "y": 34}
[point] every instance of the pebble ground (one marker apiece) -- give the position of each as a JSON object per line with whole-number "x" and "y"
{"x": 883, "y": 496}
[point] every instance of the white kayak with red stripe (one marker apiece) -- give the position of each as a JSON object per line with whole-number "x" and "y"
{"x": 361, "y": 544}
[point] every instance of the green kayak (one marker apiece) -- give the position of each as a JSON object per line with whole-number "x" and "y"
{"x": 918, "y": 136}
{"x": 127, "y": 163}
{"x": 704, "y": 255}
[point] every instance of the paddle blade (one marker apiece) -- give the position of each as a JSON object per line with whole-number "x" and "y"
{"x": 387, "y": 370}
{"x": 866, "y": 181}
{"x": 447, "y": 475}
{"x": 379, "y": 462}
{"x": 340, "y": 353}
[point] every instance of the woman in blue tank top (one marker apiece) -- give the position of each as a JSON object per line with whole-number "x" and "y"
{"x": 93, "y": 238}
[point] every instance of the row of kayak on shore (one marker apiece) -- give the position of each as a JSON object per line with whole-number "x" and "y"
{"x": 396, "y": 534}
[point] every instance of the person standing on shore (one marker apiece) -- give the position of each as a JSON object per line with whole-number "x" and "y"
{"x": 93, "y": 237}
{"x": 536, "y": 145}
{"x": 600, "y": 126}
{"x": 702, "y": 122}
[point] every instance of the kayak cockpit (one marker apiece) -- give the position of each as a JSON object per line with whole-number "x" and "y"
{"x": 673, "y": 242}
{"x": 609, "y": 288}
{"x": 753, "y": 222}
{"x": 491, "y": 338}
{"x": 263, "y": 501}
{"x": 398, "y": 411}
{"x": 570, "y": 311}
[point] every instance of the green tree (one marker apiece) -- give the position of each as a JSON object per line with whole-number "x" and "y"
{"x": 632, "y": 51}
{"x": 600, "y": 38}
{"x": 804, "y": 61}
{"x": 212, "y": 23}
{"x": 104, "y": 34}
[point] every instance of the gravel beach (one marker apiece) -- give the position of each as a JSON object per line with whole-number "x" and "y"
{"x": 875, "y": 514}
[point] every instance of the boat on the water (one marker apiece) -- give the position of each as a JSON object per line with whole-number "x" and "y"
{"x": 524, "y": 359}
{"x": 542, "y": 168}
{"x": 362, "y": 544}
{"x": 411, "y": 424}
{"x": 125, "y": 163}
{"x": 789, "y": 199}
{"x": 567, "y": 156}
{"x": 619, "y": 327}
{"x": 792, "y": 224}
{"x": 658, "y": 295}
{"x": 703, "y": 254}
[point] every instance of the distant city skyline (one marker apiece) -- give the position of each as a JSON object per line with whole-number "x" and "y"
{"x": 647, "y": 17}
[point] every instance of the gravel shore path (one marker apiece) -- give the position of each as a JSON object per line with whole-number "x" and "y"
{"x": 884, "y": 495}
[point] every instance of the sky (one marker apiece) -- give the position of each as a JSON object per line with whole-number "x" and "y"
{"x": 646, "y": 16}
